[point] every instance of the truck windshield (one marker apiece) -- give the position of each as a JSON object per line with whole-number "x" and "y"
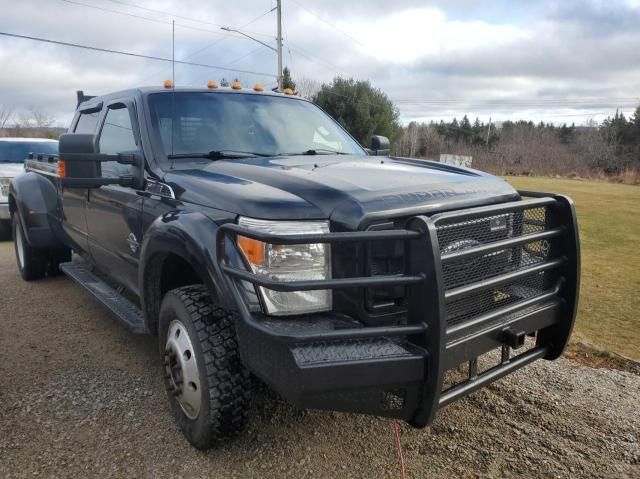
{"x": 197, "y": 123}
{"x": 17, "y": 151}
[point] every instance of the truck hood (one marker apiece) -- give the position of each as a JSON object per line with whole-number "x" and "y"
{"x": 10, "y": 170}
{"x": 349, "y": 190}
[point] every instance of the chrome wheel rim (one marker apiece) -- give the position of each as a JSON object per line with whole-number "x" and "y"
{"x": 20, "y": 246}
{"x": 181, "y": 369}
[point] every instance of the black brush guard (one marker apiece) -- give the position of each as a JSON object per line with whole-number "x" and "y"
{"x": 328, "y": 361}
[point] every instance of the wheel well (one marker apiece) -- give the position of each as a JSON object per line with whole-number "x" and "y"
{"x": 164, "y": 273}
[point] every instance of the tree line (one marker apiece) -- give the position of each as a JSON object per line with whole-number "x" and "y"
{"x": 33, "y": 122}
{"x": 608, "y": 150}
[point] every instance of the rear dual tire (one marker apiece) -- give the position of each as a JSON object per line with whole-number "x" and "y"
{"x": 208, "y": 387}
{"x": 36, "y": 263}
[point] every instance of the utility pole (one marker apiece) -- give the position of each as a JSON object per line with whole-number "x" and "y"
{"x": 278, "y": 50}
{"x": 279, "y": 40}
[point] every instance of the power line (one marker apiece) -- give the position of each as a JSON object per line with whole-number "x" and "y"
{"x": 316, "y": 59}
{"x": 153, "y": 20}
{"x": 521, "y": 100}
{"x": 210, "y": 45}
{"x": 190, "y": 19}
{"x": 130, "y": 54}
{"x": 327, "y": 22}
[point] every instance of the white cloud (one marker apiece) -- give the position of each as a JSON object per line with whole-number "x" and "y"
{"x": 480, "y": 61}
{"x": 427, "y": 32}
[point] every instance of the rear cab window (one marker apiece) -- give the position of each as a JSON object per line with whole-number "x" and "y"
{"x": 87, "y": 122}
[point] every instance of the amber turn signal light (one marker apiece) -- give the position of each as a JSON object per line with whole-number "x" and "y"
{"x": 62, "y": 169}
{"x": 252, "y": 249}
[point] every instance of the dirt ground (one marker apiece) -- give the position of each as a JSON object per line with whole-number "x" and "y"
{"x": 82, "y": 397}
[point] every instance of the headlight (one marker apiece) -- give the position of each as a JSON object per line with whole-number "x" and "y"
{"x": 289, "y": 263}
{"x": 4, "y": 186}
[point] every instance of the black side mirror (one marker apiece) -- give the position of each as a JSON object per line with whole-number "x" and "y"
{"x": 77, "y": 151}
{"x": 380, "y": 145}
{"x": 82, "y": 163}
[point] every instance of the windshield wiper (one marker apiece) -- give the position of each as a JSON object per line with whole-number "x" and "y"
{"x": 218, "y": 155}
{"x": 316, "y": 151}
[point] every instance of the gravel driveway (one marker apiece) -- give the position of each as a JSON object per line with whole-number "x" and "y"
{"x": 82, "y": 397}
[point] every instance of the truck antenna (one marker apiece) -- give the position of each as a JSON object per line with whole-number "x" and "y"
{"x": 173, "y": 83}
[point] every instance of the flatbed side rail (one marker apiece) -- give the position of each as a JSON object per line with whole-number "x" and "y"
{"x": 45, "y": 164}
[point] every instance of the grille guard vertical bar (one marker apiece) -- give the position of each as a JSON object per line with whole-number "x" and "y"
{"x": 426, "y": 304}
{"x": 557, "y": 337}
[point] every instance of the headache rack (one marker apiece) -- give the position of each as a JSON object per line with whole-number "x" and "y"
{"x": 476, "y": 280}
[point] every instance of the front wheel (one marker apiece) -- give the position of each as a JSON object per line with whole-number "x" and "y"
{"x": 208, "y": 387}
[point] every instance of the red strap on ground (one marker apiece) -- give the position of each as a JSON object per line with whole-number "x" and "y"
{"x": 396, "y": 430}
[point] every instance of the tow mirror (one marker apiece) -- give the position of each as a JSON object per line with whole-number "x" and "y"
{"x": 380, "y": 145}
{"x": 80, "y": 163}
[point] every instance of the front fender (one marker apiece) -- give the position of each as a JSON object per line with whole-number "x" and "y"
{"x": 35, "y": 199}
{"x": 192, "y": 237}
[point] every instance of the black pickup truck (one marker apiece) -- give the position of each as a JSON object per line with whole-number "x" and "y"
{"x": 257, "y": 239}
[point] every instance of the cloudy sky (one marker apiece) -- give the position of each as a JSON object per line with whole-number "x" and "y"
{"x": 558, "y": 61}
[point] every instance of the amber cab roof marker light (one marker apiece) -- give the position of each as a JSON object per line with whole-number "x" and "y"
{"x": 168, "y": 83}
{"x": 258, "y": 87}
{"x": 236, "y": 85}
{"x": 287, "y": 91}
{"x": 212, "y": 84}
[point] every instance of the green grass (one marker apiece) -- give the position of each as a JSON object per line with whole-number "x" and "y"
{"x": 609, "y": 222}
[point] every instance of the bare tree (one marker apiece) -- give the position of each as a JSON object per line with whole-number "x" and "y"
{"x": 6, "y": 114}
{"x": 41, "y": 118}
{"x": 308, "y": 87}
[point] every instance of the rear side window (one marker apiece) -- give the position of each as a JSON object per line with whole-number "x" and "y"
{"x": 87, "y": 122}
{"x": 117, "y": 137}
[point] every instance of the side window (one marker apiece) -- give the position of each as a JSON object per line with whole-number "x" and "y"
{"x": 116, "y": 137}
{"x": 87, "y": 122}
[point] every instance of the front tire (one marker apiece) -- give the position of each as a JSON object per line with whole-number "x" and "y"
{"x": 208, "y": 387}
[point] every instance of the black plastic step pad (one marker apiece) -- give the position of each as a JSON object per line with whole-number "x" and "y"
{"x": 348, "y": 350}
{"x": 124, "y": 310}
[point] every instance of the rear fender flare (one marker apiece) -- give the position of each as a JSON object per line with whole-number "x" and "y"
{"x": 35, "y": 200}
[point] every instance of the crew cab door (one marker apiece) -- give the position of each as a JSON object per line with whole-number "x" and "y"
{"x": 114, "y": 212}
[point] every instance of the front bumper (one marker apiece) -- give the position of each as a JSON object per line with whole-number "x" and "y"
{"x": 329, "y": 361}
{"x": 5, "y": 214}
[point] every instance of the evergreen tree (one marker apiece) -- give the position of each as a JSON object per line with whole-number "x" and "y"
{"x": 566, "y": 133}
{"x": 287, "y": 81}
{"x": 363, "y": 110}
{"x": 465, "y": 129}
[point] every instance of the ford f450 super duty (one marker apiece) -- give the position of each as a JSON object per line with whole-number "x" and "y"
{"x": 256, "y": 238}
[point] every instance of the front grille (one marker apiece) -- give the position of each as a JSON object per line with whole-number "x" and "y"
{"x": 456, "y": 235}
{"x": 385, "y": 258}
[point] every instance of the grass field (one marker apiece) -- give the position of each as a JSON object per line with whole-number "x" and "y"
{"x": 609, "y": 220}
